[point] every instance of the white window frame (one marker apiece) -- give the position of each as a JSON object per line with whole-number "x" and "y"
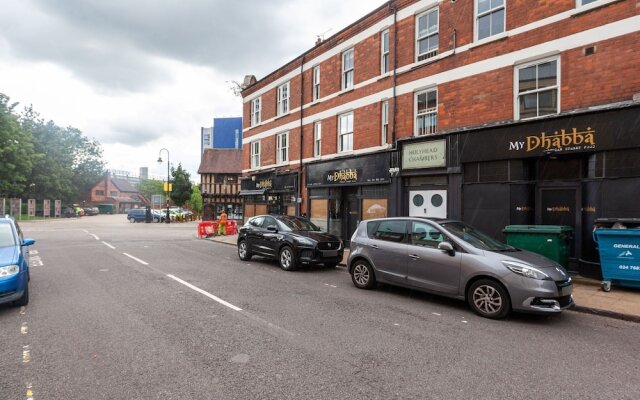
{"x": 344, "y": 131}
{"x": 317, "y": 139}
{"x": 255, "y": 154}
{"x": 476, "y": 19}
{"x": 430, "y": 114}
{"x": 384, "y": 52}
{"x": 429, "y": 35}
{"x": 348, "y": 73}
{"x": 283, "y": 99}
{"x": 282, "y": 148}
{"x": 256, "y": 111}
{"x": 580, "y": 3}
{"x": 516, "y": 87}
{"x": 316, "y": 83}
{"x": 384, "y": 111}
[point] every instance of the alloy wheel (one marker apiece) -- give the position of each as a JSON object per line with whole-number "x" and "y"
{"x": 242, "y": 249}
{"x": 361, "y": 274}
{"x": 487, "y": 299}
{"x": 285, "y": 259}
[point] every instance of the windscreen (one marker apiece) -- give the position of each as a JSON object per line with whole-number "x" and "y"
{"x": 299, "y": 224}
{"x": 7, "y": 237}
{"x": 474, "y": 237}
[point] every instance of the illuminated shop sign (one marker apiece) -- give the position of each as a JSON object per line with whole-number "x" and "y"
{"x": 558, "y": 141}
{"x": 342, "y": 176}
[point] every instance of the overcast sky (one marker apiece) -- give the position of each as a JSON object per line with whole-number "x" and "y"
{"x": 146, "y": 74}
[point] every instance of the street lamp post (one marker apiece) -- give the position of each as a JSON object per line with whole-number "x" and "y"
{"x": 168, "y": 219}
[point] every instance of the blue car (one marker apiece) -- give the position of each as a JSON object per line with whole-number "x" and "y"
{"x": 14, "y": 263}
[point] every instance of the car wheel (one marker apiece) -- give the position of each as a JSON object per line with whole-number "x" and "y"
{"x": 489, "y": 299}
{"x": 243, "y": 251}
{"x": 362, "y": 275}
{"x": 287, "y": 260}
{"x": 24, "y": 300}
{"x": 132, "y": 220}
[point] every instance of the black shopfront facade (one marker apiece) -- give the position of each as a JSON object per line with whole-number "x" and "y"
{"x": 567, "y": 170}
{"x": 270, "y": 193}
{"x": 342, "y": 192}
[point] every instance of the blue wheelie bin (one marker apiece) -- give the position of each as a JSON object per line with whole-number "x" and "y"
{"x": 619, "y": 247}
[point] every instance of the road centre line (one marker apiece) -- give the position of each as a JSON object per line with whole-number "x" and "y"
{"x": 209, "y": 295}
{"x": 136, "y": 259}
{"x": 108, "y": 245}
{"x": 95, "y": 236}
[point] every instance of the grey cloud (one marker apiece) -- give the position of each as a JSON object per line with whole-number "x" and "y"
{"x": 131, "y": 134}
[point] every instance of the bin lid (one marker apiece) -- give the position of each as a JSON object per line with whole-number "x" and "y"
{"x": 558, "y": 229}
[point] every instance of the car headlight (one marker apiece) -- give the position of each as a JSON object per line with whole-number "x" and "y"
{"x": 305, "y": 241}
{"x": 526, "y": 270}
{"x": 9, "y": 271}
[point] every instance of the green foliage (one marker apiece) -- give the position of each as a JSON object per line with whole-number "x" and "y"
{"x": 181, "y": 186}
{"x": 16, "y": 152}
{"x": 149, "y": 187}
{"x": 52, "y": 162}
{"x": 196, "y": 200}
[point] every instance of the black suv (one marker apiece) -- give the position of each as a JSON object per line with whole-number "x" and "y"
{"x": 293, "y": 241}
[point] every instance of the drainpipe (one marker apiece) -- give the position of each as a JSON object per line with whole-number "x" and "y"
{"x": 395, "y": 66}
{"x": 300, "y": 167}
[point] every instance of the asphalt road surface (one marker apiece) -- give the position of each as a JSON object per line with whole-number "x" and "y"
{"x": 148, "y": 311}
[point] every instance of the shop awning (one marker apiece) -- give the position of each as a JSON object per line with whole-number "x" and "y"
{"x": 252, "y": 192}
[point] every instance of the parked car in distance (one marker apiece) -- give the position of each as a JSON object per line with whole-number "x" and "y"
{"x": 14, "y": 263}
{"x": 293, "y": 241}
{"x": 91, "y": 211}
{"x": 450, "y": 258}
{"x": 140, "y": 215}
{"x": 68, "y": 212}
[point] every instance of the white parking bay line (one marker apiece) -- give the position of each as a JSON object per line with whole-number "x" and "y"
{"x": 136, "y": 259}
{"x": 108, "y": 245}
{"x": 209, "y": 295}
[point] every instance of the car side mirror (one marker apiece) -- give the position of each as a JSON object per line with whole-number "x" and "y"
{"x": 447, "y": 247}
{"x": 272, "y": 229}
{"x": 28, "y": 242}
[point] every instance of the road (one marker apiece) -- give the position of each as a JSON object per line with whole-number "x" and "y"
{"x": 148, "y": 311}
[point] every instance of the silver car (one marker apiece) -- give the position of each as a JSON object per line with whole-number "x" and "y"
{"x": 452, "y": 259}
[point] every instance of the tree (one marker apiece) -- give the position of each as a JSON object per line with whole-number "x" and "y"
{"x": 149, "y": 187}
{"x": 181, "y": 186}
{"x": 16, "y": 151}
{"x": 196, "y": 200}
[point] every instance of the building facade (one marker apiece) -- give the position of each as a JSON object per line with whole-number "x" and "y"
{"x": 495, "y": 112}
{"x": 220, "y": 171}
{"x": 119, "y": 193}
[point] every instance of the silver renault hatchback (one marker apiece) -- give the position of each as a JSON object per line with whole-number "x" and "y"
{"x": 450, "y": 258}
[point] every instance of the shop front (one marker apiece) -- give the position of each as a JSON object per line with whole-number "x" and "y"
{"x": 567, "y": 170}
{"x": 430, "y": 177}
{"x": 343, "y": 192}
{"x": 269, "y": 194}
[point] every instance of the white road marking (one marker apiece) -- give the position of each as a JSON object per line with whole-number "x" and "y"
{"x": 24, "y": 329}
{"x": 435, "y": 313}
{"x": 35, "y": 262}
{"x": 33, "y": 252}
{"x": 108, "y": 245}
{"x": 26, "y": 354}
{"x": 333, "y": 286}
{"x": 136, "y": 259}
{"x": 396, "y": 324}
{"x": 23, "y": 310}
{"x": 94, "y": 236}
{"x": 209, "y": 295}
{"x": 85, "y": 231}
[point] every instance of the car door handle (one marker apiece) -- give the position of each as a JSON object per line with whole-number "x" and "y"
{"x": 415, "y": 257}
{"x": 375, "y": 246}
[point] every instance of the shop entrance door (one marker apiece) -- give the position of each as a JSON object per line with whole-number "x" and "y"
{"x": 560, "y": 205}
{"x": 352, "y": 211}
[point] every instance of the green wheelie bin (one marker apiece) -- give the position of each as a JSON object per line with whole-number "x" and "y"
{"x": 551, "y": 241}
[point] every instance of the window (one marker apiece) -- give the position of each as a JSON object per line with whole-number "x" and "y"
{"x": 490, "y": 18}
{"x": 114, "y": 193}
{"x": 385, "y": 121}
{"x": 384, "y": 50}
{"x": 425, "y": 235}
{"x": 99, "y": 192}
{"x": 282, "y": 148}
{"x": 537, "y": 89}
{"x": 317, "y": 139}
{"x": 391, "y": 231}
{"x": 316, "y": 82}
{"x": 283, "y": 99}
{"x": 347, "y": 69}
{"x": 427, "y": 39}
{"x": 426, "y": 112}
{"x": 585, "y": 2}
{"x": 255, "y": 111}
{"x": 345, "y": 132}
{"x": 255, "y": 154}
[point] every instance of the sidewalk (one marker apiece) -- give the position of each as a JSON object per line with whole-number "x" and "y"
{"x": 620, "y": 302}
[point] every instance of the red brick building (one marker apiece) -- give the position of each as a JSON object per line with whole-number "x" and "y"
{"x": 496, "y": 112}
{"x": 117, "y": 192}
